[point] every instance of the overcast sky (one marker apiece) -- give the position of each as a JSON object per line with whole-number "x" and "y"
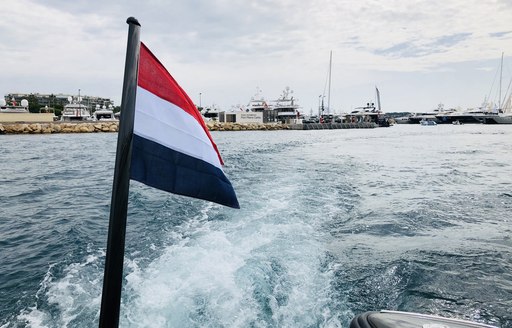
{"x": 418, "y": 53}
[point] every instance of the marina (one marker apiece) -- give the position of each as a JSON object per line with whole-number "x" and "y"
{"x": 312, "y": 205}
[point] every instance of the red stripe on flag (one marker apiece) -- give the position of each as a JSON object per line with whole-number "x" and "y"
{"x": 156, "y": 79}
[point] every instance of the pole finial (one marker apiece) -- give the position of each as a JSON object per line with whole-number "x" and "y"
{"x": 132, "y": 20}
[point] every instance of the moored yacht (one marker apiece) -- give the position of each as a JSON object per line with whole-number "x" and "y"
{"x": 104, "y": 113}
{"x": 211, "y": 113}
{"x": 259, "y": 104}
{"x": 504, "y": 115}
{"x": 287, "y": 108}
{"x": 503, "y": 109}
{"x": 75, "y": 110}
{"x": 369, "y": 114}
{"x": 475, "y": 116}
{"x": 436, "y": 115}
{"x": 500, "y": 118}
{"x": 13, "y": 107}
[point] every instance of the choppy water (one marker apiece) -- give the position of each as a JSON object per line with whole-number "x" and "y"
{"x": 333, "y": 223}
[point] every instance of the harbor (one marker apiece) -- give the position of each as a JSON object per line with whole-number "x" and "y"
{"x": 159, "y": 193}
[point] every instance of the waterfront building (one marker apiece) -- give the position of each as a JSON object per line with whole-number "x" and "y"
{"x": 52, "y": 100}
{"x": 241, "y": 117}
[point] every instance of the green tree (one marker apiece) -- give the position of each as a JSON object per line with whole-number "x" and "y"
{"x": 33, "y": 104}
{"x": 58, "y": 109}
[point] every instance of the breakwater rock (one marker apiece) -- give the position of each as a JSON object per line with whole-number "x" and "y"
{"x": 89, "y": 127}
{"x": 218, "y": 126}
{"x": 58, "y": 127}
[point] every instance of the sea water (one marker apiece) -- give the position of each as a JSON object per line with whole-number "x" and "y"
{"x": 332, "y": 223}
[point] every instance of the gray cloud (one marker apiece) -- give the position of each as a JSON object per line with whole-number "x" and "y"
{"x": 225, "y": 48}
{"x": 416, "y": 48}
{"x": 500, "y": 35}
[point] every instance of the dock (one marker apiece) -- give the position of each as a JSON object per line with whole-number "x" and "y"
{"x": 332, "y": 126}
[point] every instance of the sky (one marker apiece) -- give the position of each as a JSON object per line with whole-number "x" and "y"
{"x": 417, "y": 53}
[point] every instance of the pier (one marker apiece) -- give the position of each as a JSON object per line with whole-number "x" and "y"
{"x": 332, "y": 126}
{"x": 112, "y": 126}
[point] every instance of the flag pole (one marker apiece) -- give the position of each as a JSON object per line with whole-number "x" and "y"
{"x": 113, "y": 275}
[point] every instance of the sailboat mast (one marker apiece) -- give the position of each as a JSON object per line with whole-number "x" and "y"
{"x": 501, "y": 78}
{"x": 378, "y": 98}
{"x": 329, "y": 91}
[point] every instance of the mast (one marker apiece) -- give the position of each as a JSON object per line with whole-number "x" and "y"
{"x": 79, "y": 114}
{"x": 501, "y": 78}
{"x": 329, "y": 91}
{"x": 378, "y": 98}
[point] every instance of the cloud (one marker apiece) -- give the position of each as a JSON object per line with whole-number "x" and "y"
{"x": 421, "y": 48}
{"x": 500, "y": 35}
{"x": 226, "y": 48}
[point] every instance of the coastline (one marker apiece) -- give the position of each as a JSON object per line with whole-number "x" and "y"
{"x": 109, "y": 126}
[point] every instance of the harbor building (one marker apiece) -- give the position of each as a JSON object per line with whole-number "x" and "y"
{"x": 241, "y": 117}
{"x": 52, "y": 100}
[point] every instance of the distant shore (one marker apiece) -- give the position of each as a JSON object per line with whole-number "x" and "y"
{"x": 91, "y": 127}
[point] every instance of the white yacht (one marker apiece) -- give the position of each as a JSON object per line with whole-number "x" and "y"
{"x": 503, "y": 110}
{"x": 369, "y": 113}
{"x": 211, "y": 113}
{"x": 259, "y": 104}
{"x": 439, "y": 115}
{"x": 104, "y": 114}
{"x": 13, "y": 106}
{"x": 75, "y": 110}
{"x": 475, "y": 115}
{"x": 503, "y": 116}
{"x": 287, "y": 108}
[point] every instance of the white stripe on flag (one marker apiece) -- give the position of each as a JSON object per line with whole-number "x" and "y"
{"x": 165, "y": 123}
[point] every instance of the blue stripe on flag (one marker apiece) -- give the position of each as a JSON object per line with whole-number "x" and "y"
{"x": 166, "y": 169}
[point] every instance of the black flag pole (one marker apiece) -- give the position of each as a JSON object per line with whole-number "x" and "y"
{"x": 113, "y": 276}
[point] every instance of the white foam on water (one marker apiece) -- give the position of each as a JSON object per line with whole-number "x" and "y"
{"x": 33, "y": 318}
{"x": 183, "y": 277}
{"x": 256, "y": 268}
{"x": 76, "y": 294}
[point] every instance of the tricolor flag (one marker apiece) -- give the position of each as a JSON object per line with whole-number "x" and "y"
{"x": 172, "y": 147}
{"x": 162, "y": 142}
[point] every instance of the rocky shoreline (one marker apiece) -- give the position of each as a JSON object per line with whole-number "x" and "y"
{"x": 91, "y": 127}
{"x": 218, "y": 126}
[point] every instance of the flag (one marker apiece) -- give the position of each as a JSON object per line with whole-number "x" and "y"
{"x": 172, "y": 148}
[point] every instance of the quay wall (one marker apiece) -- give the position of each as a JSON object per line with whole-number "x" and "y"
{"x": 91, "y": 127}
{"x": 332, "y": 126}
{"x": 218, "y": 126}
{"x": 26, "y": 117}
